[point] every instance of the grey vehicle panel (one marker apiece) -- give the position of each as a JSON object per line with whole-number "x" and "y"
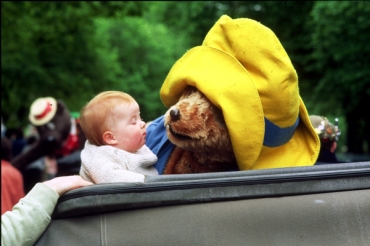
{"x": 319, "y": 205}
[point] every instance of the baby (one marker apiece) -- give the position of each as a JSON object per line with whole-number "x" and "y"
{"x": 115, "y": 149}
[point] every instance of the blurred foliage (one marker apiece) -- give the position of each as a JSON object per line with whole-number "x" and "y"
{"x": 340, "y": 38}
{"x": 74, "y": 50}
{"x": 140, "y": 54}
{"x": 47, "y": 50}
{"x": 192, "y": 18}
{"x": 341, "y": 51}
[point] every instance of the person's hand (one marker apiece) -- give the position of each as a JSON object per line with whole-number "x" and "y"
{"x": 63, "y": 184}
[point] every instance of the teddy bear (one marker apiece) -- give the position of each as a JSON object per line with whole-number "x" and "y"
{"x": 197, "y": 129}
{"x": 52, "y": 121}
{"x": 244, "y": 100}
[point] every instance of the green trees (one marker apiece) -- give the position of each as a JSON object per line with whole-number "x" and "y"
{"x": 140, "y": 55}
{"x": 341, "y": 57}
{"x": 73, "y": 50}
{"x": 47, "y": 50}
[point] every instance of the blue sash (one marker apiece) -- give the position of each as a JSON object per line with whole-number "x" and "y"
{"x": 157, "y": 141}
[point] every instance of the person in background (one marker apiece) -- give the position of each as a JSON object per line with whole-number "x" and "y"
{"x": 32, "y": 214}
{"x": 328, "y": 134}
{"x": 115, "y": 149}
{"x": 11, "y": 179}
{"x": 18, "y": 142}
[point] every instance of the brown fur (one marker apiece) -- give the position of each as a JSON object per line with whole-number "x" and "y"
{"x": 197, "y": 129}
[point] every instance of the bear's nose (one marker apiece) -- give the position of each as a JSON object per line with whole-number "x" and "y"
{"x": 175, "y": 114}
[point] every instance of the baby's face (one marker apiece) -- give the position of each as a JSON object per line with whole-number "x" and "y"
{"x": 128, "y": 128}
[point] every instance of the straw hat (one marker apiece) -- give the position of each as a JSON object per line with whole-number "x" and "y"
{"x": 42, "y": 110}
{"x": 243, "y": 69}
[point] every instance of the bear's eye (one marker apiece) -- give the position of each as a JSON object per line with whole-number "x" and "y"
{"x": 50, "y": 125}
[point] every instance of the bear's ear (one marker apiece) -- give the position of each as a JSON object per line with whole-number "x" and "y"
{"x": 188, "y": 91}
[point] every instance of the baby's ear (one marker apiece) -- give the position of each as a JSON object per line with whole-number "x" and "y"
{"x": 108, "y": 137}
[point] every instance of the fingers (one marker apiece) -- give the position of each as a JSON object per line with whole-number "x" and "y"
{"x": 66, "y": 183}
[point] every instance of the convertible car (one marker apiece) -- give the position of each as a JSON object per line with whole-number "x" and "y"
{"x": 317, "y": 205}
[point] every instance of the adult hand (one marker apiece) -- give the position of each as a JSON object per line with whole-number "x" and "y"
{"x": 63, "y": 184}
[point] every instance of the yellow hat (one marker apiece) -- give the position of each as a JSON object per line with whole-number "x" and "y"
{"x": 243, "y": 69}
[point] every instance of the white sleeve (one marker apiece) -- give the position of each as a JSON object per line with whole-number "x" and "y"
{"x": 29, "y": 217}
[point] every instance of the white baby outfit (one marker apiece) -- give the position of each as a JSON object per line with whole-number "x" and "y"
{"x": 107, "y": 164}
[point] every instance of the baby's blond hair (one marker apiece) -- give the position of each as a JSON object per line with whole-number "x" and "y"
{"x": 98, "y": 114}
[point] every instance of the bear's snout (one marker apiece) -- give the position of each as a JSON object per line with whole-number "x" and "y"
{"x": 175, "y": 114}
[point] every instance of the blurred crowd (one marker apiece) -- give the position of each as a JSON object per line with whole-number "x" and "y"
{"x": 48, "y": 147}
